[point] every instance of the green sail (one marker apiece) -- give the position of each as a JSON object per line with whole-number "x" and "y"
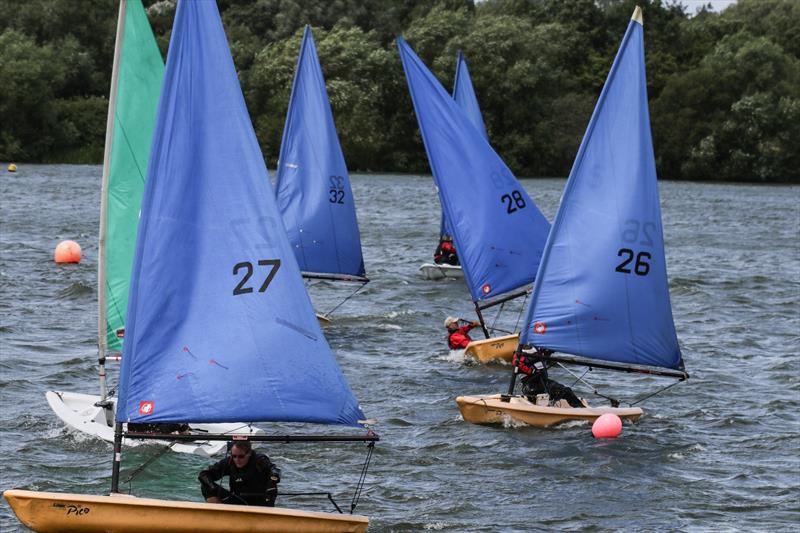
{"x": 141, "y": 71}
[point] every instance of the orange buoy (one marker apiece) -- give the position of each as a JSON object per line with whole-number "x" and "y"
{"x": 67, "y": 252}
{"x": 12, "y": 167}
{"x": 607, "y": 426}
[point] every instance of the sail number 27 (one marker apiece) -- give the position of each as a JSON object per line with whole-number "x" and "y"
{"x": 641, "y": 234}
{"x": 242, "y": 288}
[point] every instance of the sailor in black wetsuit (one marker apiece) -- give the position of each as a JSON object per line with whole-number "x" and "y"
{"x": 253, "y": 478}
{"x": 537, "y": 381}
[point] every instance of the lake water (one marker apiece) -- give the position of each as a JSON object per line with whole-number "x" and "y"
{"x": 720, "y": 452}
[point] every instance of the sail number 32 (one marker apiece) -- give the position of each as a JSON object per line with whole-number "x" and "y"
{"x": 247, "y": 266}
{"x": 337, "y": 190}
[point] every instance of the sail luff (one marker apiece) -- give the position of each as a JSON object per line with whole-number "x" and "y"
{"x": 137, "y": 88}
{"x": 289, "y": 115}
{"x": 568, "y": 188}
{"x": 102, "y": 322}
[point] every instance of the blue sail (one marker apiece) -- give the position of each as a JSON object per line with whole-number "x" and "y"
{"x": 220, "y": 327}
{"x": 313, "y": 186}
{"x": 464, "y": 95}
{"x": 601, "y": 290}
{"x": 497, "y": 229}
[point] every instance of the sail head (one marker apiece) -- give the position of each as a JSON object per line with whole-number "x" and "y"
{"x": 220, "y": 326}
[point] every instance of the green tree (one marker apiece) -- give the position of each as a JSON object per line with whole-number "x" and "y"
{"x": 27, "y": 114}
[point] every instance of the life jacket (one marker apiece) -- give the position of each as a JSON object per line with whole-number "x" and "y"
{"x": 459, "y": 339}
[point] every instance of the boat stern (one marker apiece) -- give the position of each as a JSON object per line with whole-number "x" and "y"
{"x": 493, "y": 349}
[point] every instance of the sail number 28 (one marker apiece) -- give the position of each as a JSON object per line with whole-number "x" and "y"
{"x": 513, "y": 201}
{"x": 242, "y": 288}
{"x": 637, "y": 233}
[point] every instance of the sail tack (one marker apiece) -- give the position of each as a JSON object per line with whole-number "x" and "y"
{"x": 132, "y": 118}
{"x": 220, "y": 327}
{"x": 498, "y": 231}
{"x": 601, "y": 290}
{"x": 313, "y": 185}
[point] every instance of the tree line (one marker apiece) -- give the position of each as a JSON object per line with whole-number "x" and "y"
{"x": 724, "y": 88}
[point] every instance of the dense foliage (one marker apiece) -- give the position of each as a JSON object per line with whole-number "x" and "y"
{"x": 724, "y": 87}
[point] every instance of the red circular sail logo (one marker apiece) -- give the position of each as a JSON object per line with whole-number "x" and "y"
{"x": 539, "y": 328}
{"x": 486, "y": 289}
{"x": 146, "y": 408}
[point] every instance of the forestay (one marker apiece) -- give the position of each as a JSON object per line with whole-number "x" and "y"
{"x": 601, "y": 289}
{"x": 132, "y": 116}
{"x": 220, "y": 327}
{"x": 498, "y": 230}
{"x": 313, "y": 185}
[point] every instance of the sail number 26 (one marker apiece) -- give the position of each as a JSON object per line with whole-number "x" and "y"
{"x": 247, "y": 266}
{"x": 641, "y": 234}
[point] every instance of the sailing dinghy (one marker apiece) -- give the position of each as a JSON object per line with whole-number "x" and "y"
{"x": 219, "y": 325}
{"x": 136, "y": 82}
{"x": 498, "y": 230}
{"x": 464, "y": 95}
{"x": 313, "y": 185}
{"x": 601, "y": 297}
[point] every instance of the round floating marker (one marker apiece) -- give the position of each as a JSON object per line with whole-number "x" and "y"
{"x": 12, "y": 167}
{"x": 607, "y": 426}
{"x": 67, "y": 252}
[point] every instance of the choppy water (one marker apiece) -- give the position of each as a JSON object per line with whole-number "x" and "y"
{"x": 718, "y": 453}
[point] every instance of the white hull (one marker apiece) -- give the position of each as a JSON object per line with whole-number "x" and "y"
{"x": 80, "y": 412}
{"x": 433, "y": 271}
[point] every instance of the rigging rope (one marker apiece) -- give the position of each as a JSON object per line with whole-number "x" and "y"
{"x": 521, "y": 311}
{"x": 329, "y": 313}
{"x": 656, "y": 392}
{"x": 147, "y": 463}
{"x": 614, "y": 402}
{"x": 362, "y": 478}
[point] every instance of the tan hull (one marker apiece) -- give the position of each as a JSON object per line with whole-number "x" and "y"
{"x": 491, "y": 410}
{"x": 49, "y": 511}
{"x": 324, "y": 321}
{"x": 497, "y": 348}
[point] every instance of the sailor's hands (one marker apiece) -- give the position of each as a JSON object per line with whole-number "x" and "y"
{"x": 475, "y": 323}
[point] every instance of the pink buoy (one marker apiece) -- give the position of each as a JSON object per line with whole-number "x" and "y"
{"x": 607, "y": 426}
{"x": 67, "y": 252}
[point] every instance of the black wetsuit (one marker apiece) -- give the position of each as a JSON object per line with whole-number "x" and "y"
{"x": 251, "y": 485}
{"x": 539, "y": 383}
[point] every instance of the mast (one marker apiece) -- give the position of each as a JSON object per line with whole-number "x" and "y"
{"x": 102, "y": 319}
